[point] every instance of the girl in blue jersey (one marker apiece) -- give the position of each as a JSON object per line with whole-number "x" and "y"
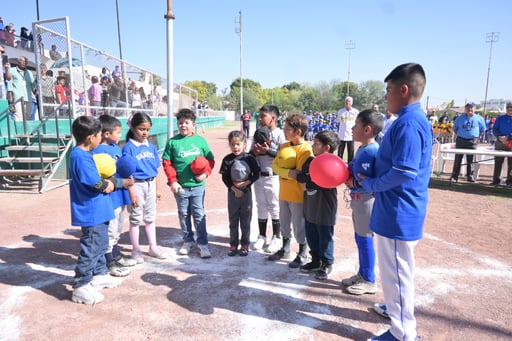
{"x": 369, "y": 123}
{"x": 145, "y": 186}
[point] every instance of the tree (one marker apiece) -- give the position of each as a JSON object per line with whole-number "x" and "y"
{"x": 326, "y": 97}
{"x": 204, "y": 89}
{"x": 308, "y": 99}
{"x": 370, "y": 93}
{"x": 292, "y": 86}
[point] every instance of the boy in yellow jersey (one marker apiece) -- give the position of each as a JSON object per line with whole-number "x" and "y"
{"x": 291, "y": 193}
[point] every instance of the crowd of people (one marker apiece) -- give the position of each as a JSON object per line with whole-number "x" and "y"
{"x": 388, "y": 187}
{"x": 108, "y": 92}
{"x": 9, "y": 37}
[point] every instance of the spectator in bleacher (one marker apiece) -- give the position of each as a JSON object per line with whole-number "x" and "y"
{"x": 116, "y": 93}
{"x": 61, "y": 95}
{"x": 54, "y": 54}
{"x": 116, "y": 74}
{"x": 9, "y": 34}
{"x": 47, "y": 87}
{"x": 25, "y": 38}
{"x": 4, "y": 74}
{"x": 2, "y": 31}
{"x": 104, "y": 73}
{"x": 94, "y": 95}
{"x": 21, "y": 84}
{"x": 143, "y": 98}
{"x": 135, "y": 98}
{"x": 105, "y": 89}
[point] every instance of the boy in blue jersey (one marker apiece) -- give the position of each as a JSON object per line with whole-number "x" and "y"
{"x": 118, "y": 265}
{"x": 368, "y": 125}
{"x": 91, "y": 209}
{"x": 400, "y": 186}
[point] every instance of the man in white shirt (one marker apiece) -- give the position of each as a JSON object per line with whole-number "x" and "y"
{"x": 347, "y": 119}
{"x": 388, "y": 120}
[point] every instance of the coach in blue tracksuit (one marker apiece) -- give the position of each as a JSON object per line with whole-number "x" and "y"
{"x": 400, "y": 186}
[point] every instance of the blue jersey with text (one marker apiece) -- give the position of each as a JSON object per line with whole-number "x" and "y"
{"x": 147, "y": 157}
{"x": 120, "y": 196}
{"x": 402, "y": 175}
{"x": 363, "y": 163}
{"x": 88, "y": 206}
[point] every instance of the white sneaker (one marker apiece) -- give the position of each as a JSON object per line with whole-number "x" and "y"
{"x": 351, "y": 280}
{"x": 275, "y": 244}
{"x": 259, "y": 243}
{"x": 186, "y": 248}
{"x": 86, "y": 294}
{"x": 105, "y": 281}
{"x": 126, "y": 261}
{"x": 381, "y": 309}
{"x": 204, "y": 251}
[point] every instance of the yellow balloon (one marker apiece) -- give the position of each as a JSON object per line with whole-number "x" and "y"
{"x": 106, "y": 165}
{"x": 286, "y": 158}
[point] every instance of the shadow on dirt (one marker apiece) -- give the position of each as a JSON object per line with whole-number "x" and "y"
{"x": 256, "y": 287}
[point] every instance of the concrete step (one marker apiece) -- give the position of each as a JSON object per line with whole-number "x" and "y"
{"x": 24, "y": 172}
{"x": 28, "y": 159}
{"x": 35, "y": 148}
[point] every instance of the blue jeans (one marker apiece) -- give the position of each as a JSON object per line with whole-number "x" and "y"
{"x": 91, "y": 260}
{"x": 191, "y": 205}
{"x": 320, "y": 241}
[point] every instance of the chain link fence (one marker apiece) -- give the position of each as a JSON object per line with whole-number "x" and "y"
{"x": 92, "y": 82}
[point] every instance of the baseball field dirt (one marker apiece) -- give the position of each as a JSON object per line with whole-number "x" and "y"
{"x": 463, "y": 278}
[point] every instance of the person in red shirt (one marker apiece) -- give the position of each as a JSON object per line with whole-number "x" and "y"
{"x": 61, "y": 94}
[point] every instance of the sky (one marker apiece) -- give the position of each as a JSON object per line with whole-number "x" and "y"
{"x": 303, "y": 41}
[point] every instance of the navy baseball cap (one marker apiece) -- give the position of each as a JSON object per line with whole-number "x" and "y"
{"x": 470, "y": 104}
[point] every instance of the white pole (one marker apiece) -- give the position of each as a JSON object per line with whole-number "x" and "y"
{"x": 169, "y": 17}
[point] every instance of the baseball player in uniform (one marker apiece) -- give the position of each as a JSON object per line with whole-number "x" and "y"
{"x": 266, "y": 188}
{"x": 400, "y": 186}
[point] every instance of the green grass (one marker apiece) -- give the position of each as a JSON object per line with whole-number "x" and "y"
{"x": 468, "y": 187}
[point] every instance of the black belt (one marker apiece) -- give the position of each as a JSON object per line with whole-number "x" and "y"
{"x": 145, "y": 180}
{"x": 471, "y": 139}
{"x": 266, "y": 174}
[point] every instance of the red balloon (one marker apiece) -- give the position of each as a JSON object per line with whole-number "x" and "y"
{"x": 328, "y": 170}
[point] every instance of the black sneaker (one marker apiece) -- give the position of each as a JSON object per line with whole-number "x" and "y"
{"x": 244, "y": 251}
{"x": 324, "y": 271}
{"x": 281, "y": 253}
{"x": 232, "y": 251}
{"x": 312, "y": 266}
{"x": 495, "y": 183}
{"x": 298, "y": 261}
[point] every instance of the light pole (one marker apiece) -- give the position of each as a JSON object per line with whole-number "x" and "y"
{"x": 238, "y": 30}
{"x": 349, "y": 45}
{"x": 490, "y": 38}
{"x": 119, "y": 33}
{"x": 169, "y": 18}
{"x": 37, "y": 9}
